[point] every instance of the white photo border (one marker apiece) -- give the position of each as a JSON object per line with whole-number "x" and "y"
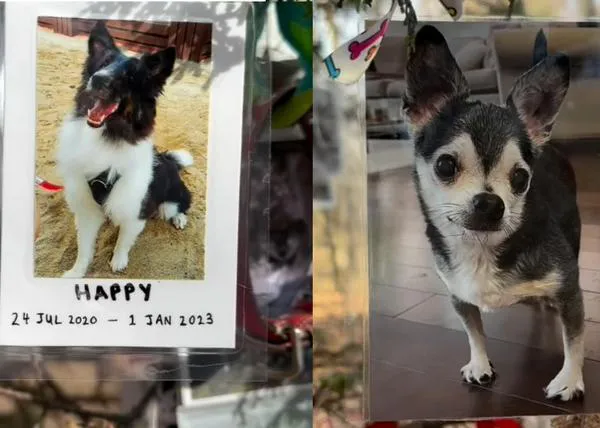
{"x": 21, "y": 292}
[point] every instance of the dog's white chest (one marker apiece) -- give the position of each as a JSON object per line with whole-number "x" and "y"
{"x": 83, "y": 154}
{"x": 476, "y": 280}
{"x": 83, "y": 151}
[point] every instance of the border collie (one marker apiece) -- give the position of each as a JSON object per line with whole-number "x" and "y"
{"x": 106, "y": 156}
{"x": 499, "y": 201}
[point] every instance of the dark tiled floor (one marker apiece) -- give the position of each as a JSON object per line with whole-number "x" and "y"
{"x": 417, "y": 342}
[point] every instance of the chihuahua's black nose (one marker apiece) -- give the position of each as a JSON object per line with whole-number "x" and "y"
{"x": 488, "y": 206}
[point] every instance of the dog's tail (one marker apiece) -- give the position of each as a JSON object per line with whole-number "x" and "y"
{"x": 181, "y": 157}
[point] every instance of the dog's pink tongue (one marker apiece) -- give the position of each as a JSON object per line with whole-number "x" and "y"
{"x": 98, "y": 114}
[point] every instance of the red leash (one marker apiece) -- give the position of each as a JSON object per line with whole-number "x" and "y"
{"x": 47, "y": 186}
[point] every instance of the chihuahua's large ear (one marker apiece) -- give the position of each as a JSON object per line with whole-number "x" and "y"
{"x": 432, "y": 77}
{"x": 100, "y": 40}
{"x": 538, "y": 94}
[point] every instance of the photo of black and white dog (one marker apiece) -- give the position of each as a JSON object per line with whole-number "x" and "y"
{"x": 106, "y": 157}
{"x": 499, "y": 200}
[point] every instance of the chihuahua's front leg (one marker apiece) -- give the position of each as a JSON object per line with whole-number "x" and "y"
{"x": 479, "y": 369}
{"x": 568, "y": 383}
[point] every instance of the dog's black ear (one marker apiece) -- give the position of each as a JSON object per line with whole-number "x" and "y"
{"x": 538, "y": 94}
{"x": 432, "y": 77}
{"x": 100, "y": 40}
{"x": 160, "y": 65}
{"x": 540, "y": 47}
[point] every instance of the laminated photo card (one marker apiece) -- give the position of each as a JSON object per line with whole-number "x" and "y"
{"x": 121, "y": 161}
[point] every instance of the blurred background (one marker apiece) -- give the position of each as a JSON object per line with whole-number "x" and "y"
{"x": 339, "y": 226}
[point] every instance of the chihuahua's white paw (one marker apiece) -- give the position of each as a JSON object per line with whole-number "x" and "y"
{"x": 478, "y": 371}
{"x": 567, "y": 385}
{"x": 119, "y": 261}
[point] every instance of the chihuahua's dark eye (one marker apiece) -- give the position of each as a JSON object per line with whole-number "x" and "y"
{"x": 519, "y": 180}
{"x": 446, "y": 167}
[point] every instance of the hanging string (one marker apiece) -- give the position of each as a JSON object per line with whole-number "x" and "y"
{"x": 511, "y": 7}
{"x": 410, "y": 20}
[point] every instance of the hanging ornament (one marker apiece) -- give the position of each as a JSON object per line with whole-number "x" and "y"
{"x": 349, "y": 62}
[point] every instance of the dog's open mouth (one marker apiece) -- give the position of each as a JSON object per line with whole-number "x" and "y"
{"x": 97, "y": 115}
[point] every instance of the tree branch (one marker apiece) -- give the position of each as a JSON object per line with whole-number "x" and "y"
{"x": 68, "y": 406}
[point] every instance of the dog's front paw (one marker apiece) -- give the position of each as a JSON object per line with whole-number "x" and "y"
{"x": 77, "y": 271}
{"x": 567, "y": 385}
{"x": 478, "y": 371}
{"x": 73, "y": 273}
{"x": 179, "y": 221}
{"x": 119, "y": 261}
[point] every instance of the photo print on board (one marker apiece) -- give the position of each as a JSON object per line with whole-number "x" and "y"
{"x": 143, "y": 106}
{"x": 125, "y": 240}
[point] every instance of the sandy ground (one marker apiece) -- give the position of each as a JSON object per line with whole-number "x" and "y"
{"x": 161, "y": 251}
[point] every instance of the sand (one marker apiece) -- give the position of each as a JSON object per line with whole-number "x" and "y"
{"x": 161, "y": 251}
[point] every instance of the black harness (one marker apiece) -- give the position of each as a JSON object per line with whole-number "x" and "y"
{"x": 101, "y": 186}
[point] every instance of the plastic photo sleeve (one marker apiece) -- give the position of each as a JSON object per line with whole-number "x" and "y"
{"x": 122, "y": 157}
{"x": 487, "y": 309}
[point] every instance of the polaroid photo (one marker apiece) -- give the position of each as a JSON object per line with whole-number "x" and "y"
{"x": 122, "y": 167}
{"x": 484, "y": 239}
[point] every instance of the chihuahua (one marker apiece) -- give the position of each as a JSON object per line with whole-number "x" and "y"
{"x": 499, "y": 201}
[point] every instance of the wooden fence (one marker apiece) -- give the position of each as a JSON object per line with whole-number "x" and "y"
{"x": 192, "y": 40}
